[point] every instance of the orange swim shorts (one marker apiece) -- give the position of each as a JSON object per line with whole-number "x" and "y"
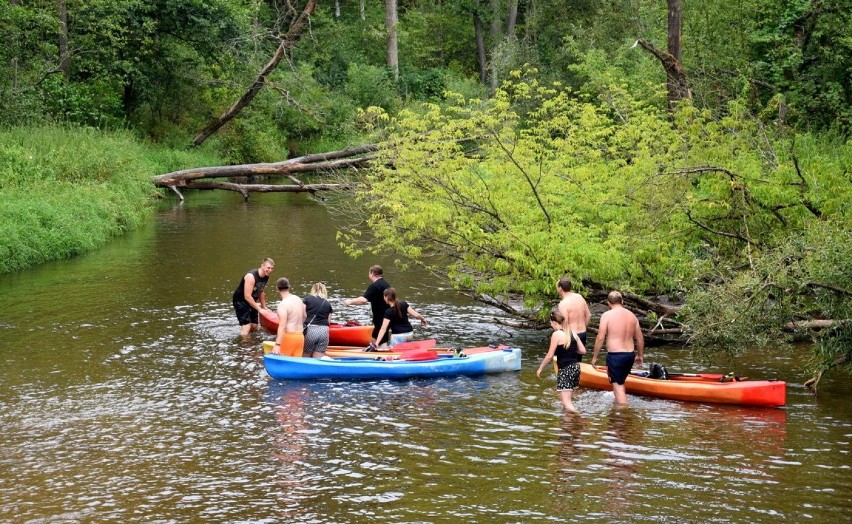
{"x": 293, "y": 344}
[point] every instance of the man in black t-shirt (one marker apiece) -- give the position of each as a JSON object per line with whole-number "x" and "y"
{"x": 375, "y": 296}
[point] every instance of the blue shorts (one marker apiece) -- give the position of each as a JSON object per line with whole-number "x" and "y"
{"x": 618, "y": 366}
{"x": 397, "y": 338}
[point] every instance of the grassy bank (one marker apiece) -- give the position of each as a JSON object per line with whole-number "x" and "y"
{"x": 68, "y": 190}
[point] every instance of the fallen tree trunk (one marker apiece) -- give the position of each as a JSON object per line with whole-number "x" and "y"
{"x": 661, "y": 331}
{"x": 815, "y": 324}
{"x": 352, "y": 158}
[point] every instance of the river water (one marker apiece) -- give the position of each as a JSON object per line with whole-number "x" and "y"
{"x": 126, "y": 395}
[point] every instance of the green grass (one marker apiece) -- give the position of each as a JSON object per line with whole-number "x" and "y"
{"x": 68, "y": 190}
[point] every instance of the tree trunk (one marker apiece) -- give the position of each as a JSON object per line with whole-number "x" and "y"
{"x": 337, "y": 9}
{"x": 511, "y": 18}
{"x": 676, "y": 85}
{"x": 390, "y": 28}
{"x": 353, "y": 158}
{"x": 480, "y": 48}
{"x": 676, "y": 81}
{"x": 675, "y": 19}
{"x": 496, "y": 23}
{"x": 496, "y": 37}
{"x": 361, "y": 11}
{"x": 64, "y": 58}
{"x": 290, "y": 39}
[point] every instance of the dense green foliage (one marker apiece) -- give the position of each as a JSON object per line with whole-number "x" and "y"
{"x": 68, "y": 191}
{"x": 166, "y": 67}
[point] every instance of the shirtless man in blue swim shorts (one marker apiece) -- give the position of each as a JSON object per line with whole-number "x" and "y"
{"x": 619, "y": 327}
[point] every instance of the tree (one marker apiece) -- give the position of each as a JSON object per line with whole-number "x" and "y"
{"x": 502, "y": 198}
{"x": 64, "y": 54}
{"x": 286, "y": 42}
{"x": 392, "y": 44}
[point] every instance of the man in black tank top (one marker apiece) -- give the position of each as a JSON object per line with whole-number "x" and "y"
{"x": 249, "y": 298}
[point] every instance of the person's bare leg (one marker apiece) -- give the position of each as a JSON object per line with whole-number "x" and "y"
{"x": 620, "y": 393}
{"x": 567, "y": 405}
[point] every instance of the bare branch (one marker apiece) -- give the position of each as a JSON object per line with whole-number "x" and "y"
{"x": 715, "y": 231}
{"x": 526, "y": 177}
{"x": 836, "y": 289}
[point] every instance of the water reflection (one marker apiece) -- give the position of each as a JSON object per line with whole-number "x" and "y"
{"x": 135, "y": 400}
{"x": 289, "y": 446}
{"x": 621, "y": 440}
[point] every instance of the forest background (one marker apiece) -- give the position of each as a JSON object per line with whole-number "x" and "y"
{"x": 694, "y": 155}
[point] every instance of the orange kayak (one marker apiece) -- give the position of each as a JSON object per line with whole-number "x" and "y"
{"x": 338, "y": 334}
{"x": 693, "y": 387}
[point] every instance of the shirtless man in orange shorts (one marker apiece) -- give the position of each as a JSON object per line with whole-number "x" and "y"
{"x": 289, "y": 341}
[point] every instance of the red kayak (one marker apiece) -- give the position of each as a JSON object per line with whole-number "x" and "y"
{"x": 348, "y": 334}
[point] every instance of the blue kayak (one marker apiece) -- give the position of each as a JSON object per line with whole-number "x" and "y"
{"x": 481, "y": 363}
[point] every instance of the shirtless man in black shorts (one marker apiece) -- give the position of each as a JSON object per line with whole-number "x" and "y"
{"x": 619, "y": 327}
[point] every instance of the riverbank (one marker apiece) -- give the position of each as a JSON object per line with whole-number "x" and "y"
{"x": 65, "y": 191}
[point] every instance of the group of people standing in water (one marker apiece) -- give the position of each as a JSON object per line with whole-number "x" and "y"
{"x": 618, "y": 327}
{"x": 303, "y": 326}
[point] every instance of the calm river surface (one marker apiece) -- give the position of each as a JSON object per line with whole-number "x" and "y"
{"x": 126, "y": 395}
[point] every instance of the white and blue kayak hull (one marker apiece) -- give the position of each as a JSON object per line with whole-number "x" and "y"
{"x": 300, "y": 368}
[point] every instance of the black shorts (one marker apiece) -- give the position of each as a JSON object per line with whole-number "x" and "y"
{"x": 377, "y": 328}
{"x": 245, "y": 313}
{"x": 618, "y": 366}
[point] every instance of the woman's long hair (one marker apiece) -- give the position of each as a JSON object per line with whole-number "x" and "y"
{"x": 390, "y": 295}
{"x": 318, "y": 289}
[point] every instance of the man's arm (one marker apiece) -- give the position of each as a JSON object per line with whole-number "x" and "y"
{"x": 360, "y": 301}
{"x": 247, "y": 287}
{"x": 599, "y": 339}
{"x": 588, "y": 314}
{"x": 640, "y": 343}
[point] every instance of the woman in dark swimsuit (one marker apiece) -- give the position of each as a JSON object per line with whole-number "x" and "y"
{"x": 567, "y": 359}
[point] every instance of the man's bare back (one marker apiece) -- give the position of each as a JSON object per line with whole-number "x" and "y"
{"x": 619, "y": 327}
{"x": 291, "y": 313}
{"x": 573, "y": 307}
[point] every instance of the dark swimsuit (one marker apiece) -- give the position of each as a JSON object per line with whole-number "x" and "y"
{"x": 618, "y": 366}
{"x": 568, "y": 363}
